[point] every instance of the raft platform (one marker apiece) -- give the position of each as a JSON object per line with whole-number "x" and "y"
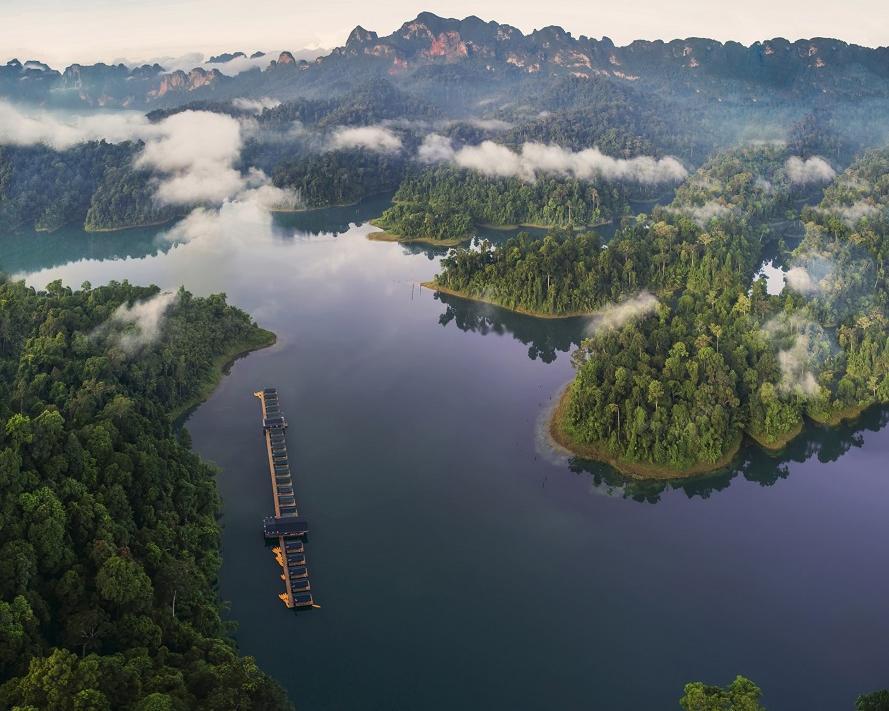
{"x": 286, "y": 527}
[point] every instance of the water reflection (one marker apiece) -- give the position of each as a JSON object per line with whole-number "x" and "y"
{"x": 331, "y": 220}
{"x": 824, "y": 444}
{"x": 30, "y": 251}
{"x": 545, "y": 338}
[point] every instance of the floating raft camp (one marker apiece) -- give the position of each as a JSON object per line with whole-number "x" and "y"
{"x": 286, "y": 527}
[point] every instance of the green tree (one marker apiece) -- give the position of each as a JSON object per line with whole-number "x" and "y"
{"x": 124, "y": 582}
{"x": 874, "y": 701}
{"x": 741, "y": 695}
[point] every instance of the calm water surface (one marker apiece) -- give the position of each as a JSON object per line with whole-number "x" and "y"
{"x": 459, "y": 562}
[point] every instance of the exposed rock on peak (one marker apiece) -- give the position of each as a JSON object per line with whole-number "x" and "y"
{"x": 286, "y": 58}
{"x": 360, "y": 36}
{"x": 448, "y": 45}
{"x": 179, "y": 81}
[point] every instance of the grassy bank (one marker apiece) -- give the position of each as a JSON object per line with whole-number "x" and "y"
{"x": 638, "y": 470}
{"x": 221, "y": 365}
{"x": 435, "y": 286}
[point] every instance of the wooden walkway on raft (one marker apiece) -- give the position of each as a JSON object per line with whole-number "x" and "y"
{"x": 286, "y": 527}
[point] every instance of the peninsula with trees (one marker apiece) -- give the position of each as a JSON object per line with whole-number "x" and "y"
{"x": 109, "y": 552}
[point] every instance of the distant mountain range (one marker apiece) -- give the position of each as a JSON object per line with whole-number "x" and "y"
{"x": 467, "y": 61}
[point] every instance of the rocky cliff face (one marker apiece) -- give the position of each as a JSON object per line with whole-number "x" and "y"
{"x": 430, "y": 39}
{"x": 480, "y": 52}
{"x": 180, "y": 82}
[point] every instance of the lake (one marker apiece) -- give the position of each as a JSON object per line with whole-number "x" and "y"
{"x": 458, "y": 560}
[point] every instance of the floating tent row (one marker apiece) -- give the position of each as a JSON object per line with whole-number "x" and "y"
{"x": 287, "y": 527}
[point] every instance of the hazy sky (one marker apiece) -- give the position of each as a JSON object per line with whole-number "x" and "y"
{"x": 63, "y": 31}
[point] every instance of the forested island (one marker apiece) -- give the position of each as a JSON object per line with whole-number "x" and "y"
{"x": 441, "y": 205}
{"x": 686, "y": 352}
{"x": 92, "y": 185}
{"x": 109, "y": 552}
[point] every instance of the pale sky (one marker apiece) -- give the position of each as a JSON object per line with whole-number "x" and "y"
{"x": 64, "y": 31}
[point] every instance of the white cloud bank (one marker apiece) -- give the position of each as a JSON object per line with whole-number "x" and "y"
{"x": 803, "y": 171}
{"x": 372, "y": 138}
{"x": 494, "y": 159}
{"x": 27, "y": 126}
{"x": 196, "y": 150}
{"x": 193, "y": 153}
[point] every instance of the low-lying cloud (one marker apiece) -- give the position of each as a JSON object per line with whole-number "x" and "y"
{"x": 857, "y": 211}
{"x": 255, "y": 105}
{"x": 233, "y": 67}
{"x": 490, "y": 158}
{"x": 811, "y": 274}
{"x": 248, "y": 210}
{"x": 196, "y": 151}
{"x": 796, "y": 374}
{"x": 489, "y": 124}
{"x": 192, "y": 153}
{"x": 132, "y": 328}
{"x": 372, "y": 138}
{"x": 616, "y": 315}
{"x": 803, "y": 171}
{"x": 702, "y": 214}
{"x": 799, "y": 354}
{"x": 28, "y": 126}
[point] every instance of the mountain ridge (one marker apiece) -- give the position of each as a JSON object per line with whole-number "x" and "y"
{"x": 431, "y": 48}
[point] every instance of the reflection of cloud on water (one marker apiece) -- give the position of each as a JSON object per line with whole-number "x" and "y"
{"x": 774, "y": 277}
{"x": 545, "y": 446}
{"x": 552, "y": 452}
{"x": 271, "y": 278}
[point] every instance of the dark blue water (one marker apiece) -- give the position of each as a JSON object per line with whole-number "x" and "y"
{"x": 458, "y": 560}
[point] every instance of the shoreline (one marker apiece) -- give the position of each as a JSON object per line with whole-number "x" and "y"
{"x": 354, "y": 203}
{"x": 435, "y": 286}
{"x": 782, "y": 441}
{"x": 633, "y": 470}
{"x": 561, "y": 439}
{"x": 125, "y": 228}
{"x": 221, "y": 366}
{"x": 383, "y": 236}
{"x": 847, "y": 415}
